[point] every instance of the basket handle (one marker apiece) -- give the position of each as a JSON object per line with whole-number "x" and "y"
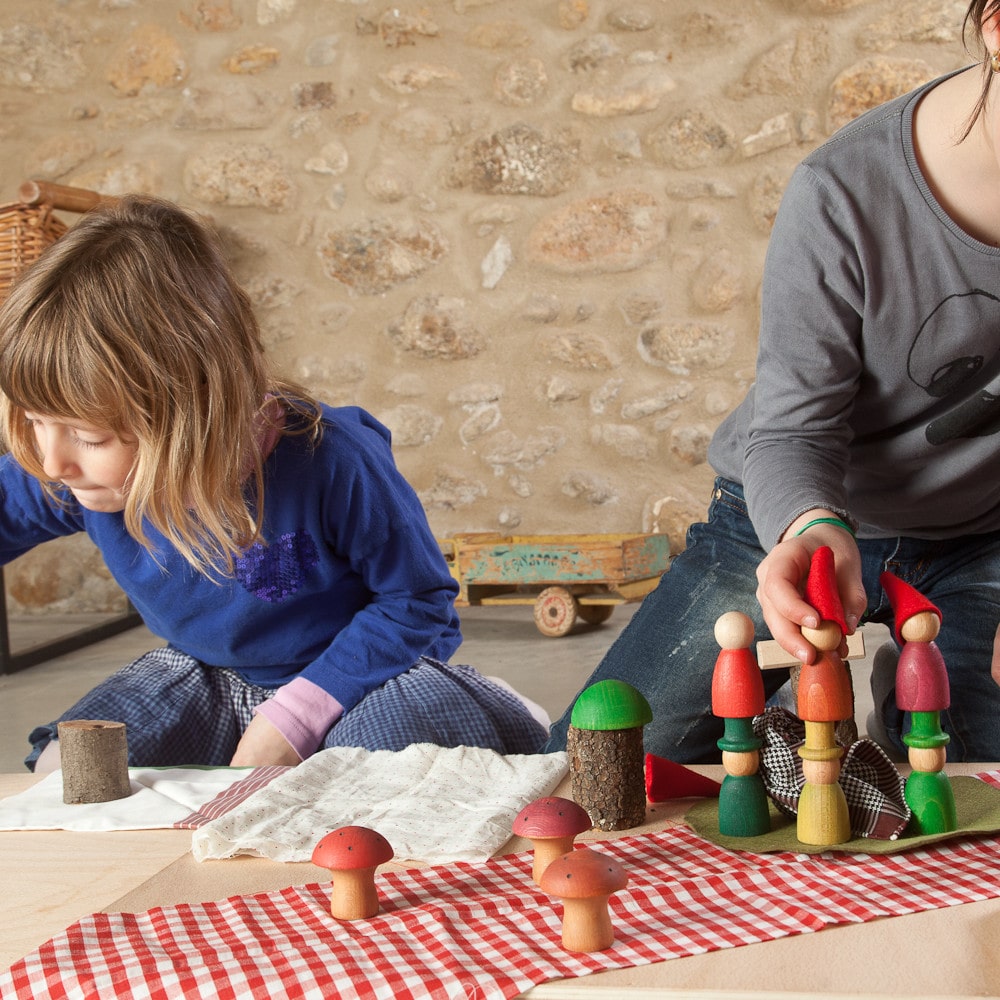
{"x": 69, "y": 199}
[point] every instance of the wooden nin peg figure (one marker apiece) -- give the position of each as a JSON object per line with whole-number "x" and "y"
{"x": 922, "y": 689}
{"x": 737, "y": 696}
{"x": 825, "y": 697}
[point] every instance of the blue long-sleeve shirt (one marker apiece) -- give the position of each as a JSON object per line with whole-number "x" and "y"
{"x": 349, "y": 590}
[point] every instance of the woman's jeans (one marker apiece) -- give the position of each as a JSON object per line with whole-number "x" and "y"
{"x": 668, "y": 649}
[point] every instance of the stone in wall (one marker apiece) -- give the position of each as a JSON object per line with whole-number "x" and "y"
{"x": 691, "y": 140}
{"x": 689, "y": 444}
{"x": 397, "y": 27}
{"x": 588, "y": 487}
{"x": 619, "y": 231}
{"x": 787, "y": 67}
{"x": 373, "y": 257}
{"x": 438, "y": 326}
{"x": 412, "y": 77}
{"x": 520, "y": 82}
{"x": 627, "y": 440}
{"x": 632, "y": 17}
{"x": 452, "y": 489}
{"x": 120, "y": 178}
{"x": 242, "y": 174}
{"x": 718, "y": 283}
{"x": 227, "y": 106}
{"x": 251, "y": 59}
{"x": 871, "y": 82}
{"x": 915, "y": 22}
{"x": 149, "y": 59}
{"x": 520, "y": 160}
{"x": 764, "y": 198}
{"x": 42, "y": 56}
{"x": 580, "y": 349}
{"x": 499, "y": 35}
{"x": 682, "y": 347}
{"x": 210, "y": 15}
{"x": 482, "y": 419}
{"x": 506, "y": 451}
{"x": 410, "y": 425}
{"x": 634, "y": 92}
{"x": 646, "y": 406}
{"x": 57, "y": 155}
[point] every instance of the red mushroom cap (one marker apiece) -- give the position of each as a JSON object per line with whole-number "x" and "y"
{"x": 352, "y": 847}
{"x": 551, "y": 816}
{"x": 583, "y": 874}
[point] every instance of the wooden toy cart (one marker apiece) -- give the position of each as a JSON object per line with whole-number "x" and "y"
{"x": 565, "y": 577}
{"x": 27, "y": 227}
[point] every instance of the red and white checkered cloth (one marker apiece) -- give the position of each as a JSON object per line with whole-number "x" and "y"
{"x": 486, "y": 931}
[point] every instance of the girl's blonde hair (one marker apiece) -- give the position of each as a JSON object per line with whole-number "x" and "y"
{"x": 132, "y": 321}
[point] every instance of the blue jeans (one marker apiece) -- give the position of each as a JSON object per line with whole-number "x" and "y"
{"x": 668, "y": 649}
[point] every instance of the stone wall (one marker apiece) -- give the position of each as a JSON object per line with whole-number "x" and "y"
{"x": 526, "y": 234}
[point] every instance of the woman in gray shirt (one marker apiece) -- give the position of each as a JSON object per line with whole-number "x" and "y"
{"x": 873, "y": 423}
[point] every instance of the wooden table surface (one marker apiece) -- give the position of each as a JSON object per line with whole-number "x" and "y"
{"x": 53, "y": 878}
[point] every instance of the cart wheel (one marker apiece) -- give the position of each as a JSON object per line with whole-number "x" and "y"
{"x": 555, "y": 611}
{"x": 595, "y": 614}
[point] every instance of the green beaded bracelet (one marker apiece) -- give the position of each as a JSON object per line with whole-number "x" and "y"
{"x": 827, "y": 520}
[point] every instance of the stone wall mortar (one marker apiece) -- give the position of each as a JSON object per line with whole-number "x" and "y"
{"x": 526, "y": 234}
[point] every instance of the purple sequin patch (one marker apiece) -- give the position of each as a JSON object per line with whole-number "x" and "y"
{"x": 276, "y": 571}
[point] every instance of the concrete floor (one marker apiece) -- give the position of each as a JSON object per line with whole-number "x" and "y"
{"x": 499, "y": 641}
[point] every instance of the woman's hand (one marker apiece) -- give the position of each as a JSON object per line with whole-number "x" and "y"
{"x": 262, "y": 745}
{"x": 781, "y": 577}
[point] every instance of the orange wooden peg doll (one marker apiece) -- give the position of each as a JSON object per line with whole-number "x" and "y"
{"x": 825, "y": 698}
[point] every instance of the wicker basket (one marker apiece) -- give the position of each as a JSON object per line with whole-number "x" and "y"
{"x": 28, "y": 226}
{"x": 25, "y": 231}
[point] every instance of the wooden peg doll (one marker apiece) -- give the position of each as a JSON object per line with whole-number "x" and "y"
{"x": 922, "y": 689}
{"x": 737, "y": 696}
{"x": 825, "y": 697}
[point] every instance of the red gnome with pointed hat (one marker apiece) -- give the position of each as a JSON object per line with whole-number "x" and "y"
{"x": 825, "y": 693}
{"x": 922, "y": 689}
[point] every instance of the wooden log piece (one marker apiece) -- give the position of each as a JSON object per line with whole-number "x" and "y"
{"x": 607, "y": 775}
{"x": 94, "y": 758}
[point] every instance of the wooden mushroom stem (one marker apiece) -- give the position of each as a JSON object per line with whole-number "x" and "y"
{"x": 353, "y": 895}
{"x": 587, "y": 924}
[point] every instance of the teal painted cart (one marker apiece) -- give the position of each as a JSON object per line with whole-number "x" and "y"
{"x": 566, "y": 578}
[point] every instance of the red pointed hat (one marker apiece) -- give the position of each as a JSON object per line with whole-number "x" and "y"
{"x": 906, "y": 601}
{"x": 821, "y": 588}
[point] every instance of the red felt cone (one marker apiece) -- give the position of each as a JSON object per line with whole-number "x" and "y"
{"x": 667, "y": 780}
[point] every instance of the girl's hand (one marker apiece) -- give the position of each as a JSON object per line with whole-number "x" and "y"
{"x": 782, "y": 573}
{"x": 262, "y": 745}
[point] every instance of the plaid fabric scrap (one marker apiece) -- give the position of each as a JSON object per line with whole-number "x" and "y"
{"x": 486, "y": 931}
{"x": 872, "y": 784}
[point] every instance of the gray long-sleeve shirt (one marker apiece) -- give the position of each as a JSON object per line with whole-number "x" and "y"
{"x": 878, "y": 374}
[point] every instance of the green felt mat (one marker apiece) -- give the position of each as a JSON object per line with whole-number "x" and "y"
{"x": 977, "y": 805}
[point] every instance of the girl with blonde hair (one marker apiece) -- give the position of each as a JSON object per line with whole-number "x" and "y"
{"x": 268, "y": 538}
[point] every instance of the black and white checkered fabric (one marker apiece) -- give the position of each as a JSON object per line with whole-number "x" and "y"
{"x": 872, "y": 785}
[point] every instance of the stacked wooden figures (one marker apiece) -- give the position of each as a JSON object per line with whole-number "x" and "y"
{"x": 737, "y": 696}
{"x": 825, "y": 697}
{"x": 922, "y": 689}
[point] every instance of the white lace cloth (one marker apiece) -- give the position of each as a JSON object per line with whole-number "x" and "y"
{"x": 432, "y": 804}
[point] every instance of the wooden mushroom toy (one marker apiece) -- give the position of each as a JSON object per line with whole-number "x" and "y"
{"x": 551, "y": 824}
{"x": 584, "y": 880}
{"x": 607, "y": 761}
{"x": 352, "y": 853}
